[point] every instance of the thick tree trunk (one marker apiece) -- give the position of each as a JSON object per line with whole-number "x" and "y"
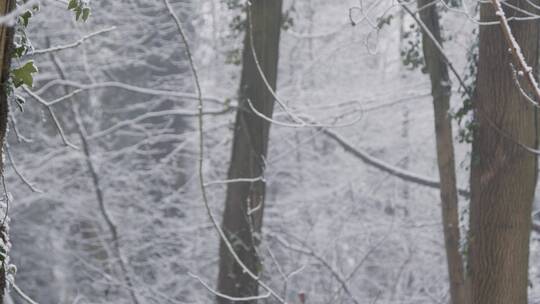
{"x": 6, "y": 43}
{"x": 441, "y": 91}
{"x": 242, "y": 218}
{"x": 503, "y": 174}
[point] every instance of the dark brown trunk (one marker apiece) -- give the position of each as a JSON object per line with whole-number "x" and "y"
{"x": 244, "y": 205}
{"x": 503, "y": 174}
{"x": 441, "y": 91}
{"x": 6, "y": 44}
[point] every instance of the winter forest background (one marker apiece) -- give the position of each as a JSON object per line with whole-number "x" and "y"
{"x": 102, "y": 152}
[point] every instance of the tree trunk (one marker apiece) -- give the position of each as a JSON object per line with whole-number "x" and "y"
{"x": 503, "y": 174}
{"x": 244, "y": 205}
{"x": 441, "y": 91}
{"x": 6, "y": 44}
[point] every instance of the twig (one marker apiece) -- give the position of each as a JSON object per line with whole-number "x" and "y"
{"x": 515, "y": 50}
{"x": 113, "y": 230}
{"x": 22, "y": 294}
{"x": 19, "y": 174}
{"x": 263, "y": 76}
{"x": 119, "y": 85}
{"x": 74, "y": 44}
{"x": 236, "y": 180}
{"x": 219, "y": 294}
{"x": 310, "y": 252}
{"x": 149, "y": 115}
{"x": 18, "y": 135}
{"x": 303, "y": 124}
{"x": 53, "y": 116}
{"x": 379, "y": 164}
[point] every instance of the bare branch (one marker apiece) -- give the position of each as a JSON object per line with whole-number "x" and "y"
{"x": 219, "y": 294}
{"x": 379, "y": 164}
{"x": 42, "y": 101}
{"x": 72, "y": 45}
{"x": 22, "y": 294}
{"x": 19, "y": 174}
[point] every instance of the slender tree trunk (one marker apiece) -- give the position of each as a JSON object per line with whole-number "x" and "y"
{"x": 405, "y": 128}
{"x": 441, "y": 91}
{"x": 6, "y": 44}
{"x": 244, "y": 205}
{"x": 97, "y": 188}
{"x": 503, "y": 174}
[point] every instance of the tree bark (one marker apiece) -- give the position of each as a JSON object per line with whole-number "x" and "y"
{"x": 6, "y": 45}
{"x": 244, "y": 205}
{"x": 441, "y": 92}
{"x": 503, "y": 174}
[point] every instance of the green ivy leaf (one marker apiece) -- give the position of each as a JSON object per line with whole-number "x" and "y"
{"x": 19, "y": 51}
{"x": 73, "y": 4}
{"x": 25, "y": 18}
{"x": 80, "y": 8}
{"x": 78, "y": 13}
{"x": 85, "y": 13}
{"x": 24, "y": 75}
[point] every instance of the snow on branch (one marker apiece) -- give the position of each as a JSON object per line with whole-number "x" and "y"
{"x": 513, "y": 47}
{"x": 381, "y": 165}
{"x": 119, "y": 85}
{"x": 74, "y": 44}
